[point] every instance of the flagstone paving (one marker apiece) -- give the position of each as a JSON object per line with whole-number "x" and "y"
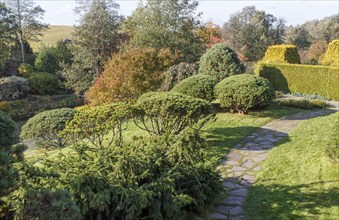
{"x": 240, "y": 166}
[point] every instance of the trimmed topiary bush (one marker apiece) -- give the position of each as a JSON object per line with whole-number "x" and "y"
{"x": 8, "y": 133}
{"x": 170, "y": 112}
{"x": 332, "y": 54}
{"x": 25, "y": 69}
{"x": 43, "y": 83}
{"x": 282, "y": 54}
{"x": 46, "y": 127}
{"x": 240, "y": 93}
{"x": 177, "y": 73}
{"x": 306, "y": 79}
{"x": 220, "y": 62}
{"x": 200, "y": 86}
{"x": 12, "y": 88}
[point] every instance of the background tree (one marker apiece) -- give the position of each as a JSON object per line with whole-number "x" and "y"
{"x": 97, "y": 32}
{"x": 326, "y": 29}
{"x": 27, "y": 18}
{"x": 298, "y": 36}
{"x": 166, "y": 24}
{"x": 210, "y": 34}
{"x": 251, "y": 31}
{"x": 6, "y": 34}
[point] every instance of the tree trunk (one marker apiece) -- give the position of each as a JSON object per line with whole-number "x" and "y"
{"x": 22, "y": 50}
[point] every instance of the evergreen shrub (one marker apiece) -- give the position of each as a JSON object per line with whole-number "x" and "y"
{"x": 242, "y": 92}
{"x": 43, "y": 83}
{"x": 13, "y": 87}
{"x": 200, "y": 86}
{"x": 282, "y": 54}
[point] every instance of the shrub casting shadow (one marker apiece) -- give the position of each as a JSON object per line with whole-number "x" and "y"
{"x": 277, "y": 79}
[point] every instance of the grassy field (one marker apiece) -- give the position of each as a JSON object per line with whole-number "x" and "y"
{"x": 52, "y": 35}
{"x": 298, "y": 180}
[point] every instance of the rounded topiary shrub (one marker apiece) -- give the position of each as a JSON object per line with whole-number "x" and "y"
{"x": 200, "y": 86}
{"x": 46, "y": 127}
{"x": 170, "y": 112}
{"x": 8, "y": 133}
{"x": 220, "y": 62}
{"x": 332, "y": 54}
{"x": 239, "y": 93}
{"x": 43, "y": 83}
{"x": 177, "y": 73}
{"x": 12, "y": 88}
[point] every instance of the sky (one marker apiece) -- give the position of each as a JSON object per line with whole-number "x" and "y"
{"x": 60, "y": 12}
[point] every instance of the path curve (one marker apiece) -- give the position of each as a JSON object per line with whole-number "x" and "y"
{"x": 241, "y": 164}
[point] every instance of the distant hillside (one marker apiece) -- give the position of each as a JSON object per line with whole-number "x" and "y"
{"x": 52, "y": 35}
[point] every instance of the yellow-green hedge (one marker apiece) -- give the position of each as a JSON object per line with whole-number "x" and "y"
{"x": 332, "y": 54}
{"x": 282, "y": 54}
{"x": 306, "y": 79}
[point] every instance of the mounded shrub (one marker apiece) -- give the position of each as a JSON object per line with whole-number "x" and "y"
{"x": 170, "y": 112}
{"x": 302, "y": 103}
{"x": 177, "y": 73}
{"x": 332, "y": 54}
{"x": 43, "y": 83}
{"x": 13, "y": 87}
{"x": 129, "y": 74}
{"x": 200, "y": 86}
{"x": 242, "y": 92}
{"x": 306, "y": 79}
{"x": 220, "y": 62}
{"x": 95, "y": 123}
{"x": 46, "y": 127}
{"x": 25, "y": 69}
{"x": 8, "y": 132}
{"x": 282, "y": 54}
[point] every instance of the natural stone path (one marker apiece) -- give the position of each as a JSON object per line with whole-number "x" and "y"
{"x": 241, "y": 164}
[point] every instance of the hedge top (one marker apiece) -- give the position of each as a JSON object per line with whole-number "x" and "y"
{"x": 282, "y": 54}
{"x": 332, "y": 54}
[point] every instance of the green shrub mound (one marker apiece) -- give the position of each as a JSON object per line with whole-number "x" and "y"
{"x": 46, "y": 127}
{"x": 97, "y": 123}
{"x": 170, "y": 112}
{"x": 177, "y": 73}
{"x": 302, "y": 103}
{"x": 220, "y": 62}
{"x": 43, "y": 83}
{"x": 25, "y": 69}
{"x": 332, "y": 54}
{"x": 12, "y": 88}
{"x": 242, "y": 92}
{"x": 282, "y": 54}
{"x": 8, "y": 133}
{"x": 306, "y": 79}
{"x": 200, "y": 86}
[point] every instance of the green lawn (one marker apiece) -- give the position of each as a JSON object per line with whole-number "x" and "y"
{"x": 53, "y": 35}
{"x": 298, "y": 180}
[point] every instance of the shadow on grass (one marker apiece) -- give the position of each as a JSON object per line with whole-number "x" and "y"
{"x": 304, "y": 201}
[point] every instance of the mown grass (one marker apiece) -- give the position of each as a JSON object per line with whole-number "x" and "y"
{"x": 52, "y": 35}
{"x": 298, "y": 180}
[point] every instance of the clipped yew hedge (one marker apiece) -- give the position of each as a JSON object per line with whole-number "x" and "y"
{"x": 306, "y": 79}
{"x": 332, "y": 54}
{"x": 282, "y": 54}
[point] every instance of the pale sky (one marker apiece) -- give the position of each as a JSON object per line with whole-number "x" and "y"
{"x": 60, "y": 12}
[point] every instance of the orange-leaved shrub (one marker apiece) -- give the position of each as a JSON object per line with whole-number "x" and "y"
{"x": 129, "y": 74}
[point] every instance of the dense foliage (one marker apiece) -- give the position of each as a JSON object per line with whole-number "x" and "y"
{"x": 46, "y": 126}
{"x": 170, "y": 112}
{"x": 25, "y": 70}
{"x": 332, "y": 54}
{"x": 25, "y": 108}
{"x": 242, "y": 92}
{"x": 251, "y": 31}
{"x": 200, "y": 86}
{"x": 303, "y": 103}
{"x": 306, "y": 79}
{"x": 47, "y": 61}
{"x": 282, "y": 54}
{"x": 177, "y": 73}
{"x": 220, "y": 62}
{"x": 9, "y": 155}
{"x": 167, "y": 24}
{"x": 12, "y": 88}
{"x": 43, "y": 83}
{"x": 99, "y": 125}
{"x": 129, "y": 74}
